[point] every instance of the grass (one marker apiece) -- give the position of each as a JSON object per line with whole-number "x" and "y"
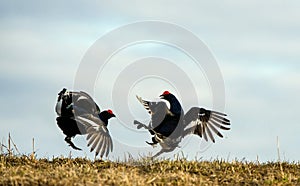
{"x": 27, "y": 170}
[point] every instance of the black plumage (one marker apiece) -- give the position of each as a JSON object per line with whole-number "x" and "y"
{"x": 170, "y": 125}
{"x": 78, "y": 114}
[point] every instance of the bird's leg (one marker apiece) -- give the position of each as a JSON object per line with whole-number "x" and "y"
{"x": 154, "y": 142}
{"x": 152, "y": 132}
{"x": 140, "y": 125}
{"x": 68, "y": 140}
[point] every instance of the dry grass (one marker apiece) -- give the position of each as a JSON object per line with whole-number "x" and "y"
{"x": 26, "y": 170}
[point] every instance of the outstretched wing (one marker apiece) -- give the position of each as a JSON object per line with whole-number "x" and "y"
{"x": 98, "y": 136}
{"x": 205, "y": 123}
{"x": 84, "y": 103}
{"x": 157, "y": 110}
{"x": 72, "y": 102}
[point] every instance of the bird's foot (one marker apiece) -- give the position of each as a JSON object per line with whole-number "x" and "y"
{"x": 152, "y": 144}
{"x": 140, "y": 125}
{"x": 71, "y": 144}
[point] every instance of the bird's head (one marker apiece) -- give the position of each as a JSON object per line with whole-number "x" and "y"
{"x": 175, "y": 106}
{"x": 107, "y": 114}
{"x": 166, "y": 95}
{"x": 110, "y": 113}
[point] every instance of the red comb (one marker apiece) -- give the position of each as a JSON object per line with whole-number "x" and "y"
{"x": 166, "y": 92}
{"x": 110, "y": 111}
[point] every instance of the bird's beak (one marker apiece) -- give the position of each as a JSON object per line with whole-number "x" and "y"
{"x": 113, "y": 115}
{"x": 162, "y": 96}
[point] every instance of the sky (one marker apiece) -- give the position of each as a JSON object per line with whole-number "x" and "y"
{"x": 252, "y": 49}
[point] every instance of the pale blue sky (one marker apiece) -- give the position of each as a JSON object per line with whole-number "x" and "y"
{"x": 256, "y": 45}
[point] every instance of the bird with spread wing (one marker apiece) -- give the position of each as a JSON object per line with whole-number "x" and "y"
{"x": 78, "y": 114}
{"x": 169, "y": 125}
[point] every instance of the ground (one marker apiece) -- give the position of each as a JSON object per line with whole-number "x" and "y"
{"x": 28, "y": 170}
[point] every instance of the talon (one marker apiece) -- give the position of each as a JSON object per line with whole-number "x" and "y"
{"x": 140, "y": 125}
{"x": 71, "y": 144}
{"x": 150, "y": 143}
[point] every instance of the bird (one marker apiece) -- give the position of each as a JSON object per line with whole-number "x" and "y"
{"x": 169, "y": 125}
{"x": 78, "y": 114}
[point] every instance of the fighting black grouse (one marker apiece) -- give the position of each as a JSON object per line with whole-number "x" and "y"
{"x": 169, "y": 125}
{"x": 78, "y": 114}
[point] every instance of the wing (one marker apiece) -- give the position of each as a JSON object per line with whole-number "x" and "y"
{"x": 70, "y": 102}
{"x": 98, "y": 136}
{"x": 157, "y": 110}
{"x": 84, "y": 103}
{"x": 205, "y": 123}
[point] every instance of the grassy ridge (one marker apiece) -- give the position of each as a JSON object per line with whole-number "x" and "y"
{"x": 64, "y": 171}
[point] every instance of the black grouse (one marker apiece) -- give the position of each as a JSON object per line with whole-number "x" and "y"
{"x": 78, "y": 114}
{"x": 169, "y": 125}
